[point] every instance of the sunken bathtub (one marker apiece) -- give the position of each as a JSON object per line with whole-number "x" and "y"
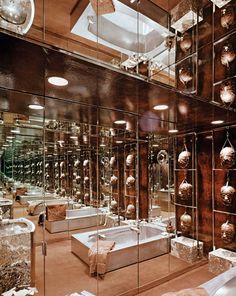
{"x": 152, "y": 243}
{"x": 77, "y": 219}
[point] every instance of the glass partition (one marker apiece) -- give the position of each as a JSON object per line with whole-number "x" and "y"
{"x": 21, "y": 192}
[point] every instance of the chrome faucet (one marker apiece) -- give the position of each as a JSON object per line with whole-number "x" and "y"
{"x": 136, "y": 229}
{"x": 97, "y": 235}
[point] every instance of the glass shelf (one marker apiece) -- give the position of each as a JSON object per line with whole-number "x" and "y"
{"x": 186, "y": 206}
{"x": 224, "y": 212}
{"x": 225, "y": 37}
{"x": 185, "y": 169}
{"x": 224, "y": 80}
{"x": 224, "y": 169}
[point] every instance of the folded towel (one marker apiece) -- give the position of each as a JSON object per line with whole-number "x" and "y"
{"x": 98, "y": 256}
{"x": 188, "y": 292}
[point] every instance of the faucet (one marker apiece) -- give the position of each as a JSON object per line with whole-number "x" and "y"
{"x": 99, "y": 236}
{"x": 136, "y": 229}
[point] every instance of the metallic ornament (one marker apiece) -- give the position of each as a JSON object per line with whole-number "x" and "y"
{"x": 227, "y": 157}
{"x": 185, "y": 190}
{"x": 183, "y": 159}
{"x": 186, "y": 223}
{"x": 185, "y": 42}
{"x": 185, "y": 75}
{"x": 227, "y": 54}
{"x": 130, "y": 181}
{"x": 227, "y": 193}
{"x": 227, "y": 16}
{"x": 227, "y": 232}
{"x": 227, "y": 92}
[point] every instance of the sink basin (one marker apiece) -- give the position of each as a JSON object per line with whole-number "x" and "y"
{"x": 6, "y": 202}
{"x": 9, "y": 227}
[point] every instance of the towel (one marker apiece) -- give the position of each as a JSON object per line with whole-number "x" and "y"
{"x": 98, "y": 256}
{"x": 188, "y": 292}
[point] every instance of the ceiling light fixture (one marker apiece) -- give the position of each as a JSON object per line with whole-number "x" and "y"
{"x": 58, "y": 81}
{"x": 36, "y": 107}
{"x": 17, "y": 16}
{"x": 119, "y": 142}
{"x": 10, "y": 137}
{"x": 74, "y": 137}
{"x": 172, "y": 131}
{"x": 160, "y": 107}
{"x": 120, "y": 122}
{"x": 217, "y": 121}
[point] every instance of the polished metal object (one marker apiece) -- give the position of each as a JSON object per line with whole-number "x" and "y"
{"x": 162, "y": 157}
{"x": 227, "y": 232}
{"x": 227, "y": 16}
{"x": 227, "y": 92}
{"x": 17, "y": 15}
{"x": 227, "y": 54}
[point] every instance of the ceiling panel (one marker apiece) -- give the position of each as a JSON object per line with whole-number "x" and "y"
{"x": 27, "y": 67}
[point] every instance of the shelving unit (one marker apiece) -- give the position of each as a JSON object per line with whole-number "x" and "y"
{"x": 221, "y": 212}
{"x": 186, "y": 172}
{"x": 130, "y": 169}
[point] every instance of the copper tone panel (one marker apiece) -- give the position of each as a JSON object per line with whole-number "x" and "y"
{"x": 166, "y": 5}
{"x": 205, "y": 72}
{"x": 205, "y": 26}
{"x": 204, "y": 175}
{"x": 26, "y": 67}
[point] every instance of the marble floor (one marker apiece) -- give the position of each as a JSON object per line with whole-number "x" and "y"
{"x": 65, "y": 274}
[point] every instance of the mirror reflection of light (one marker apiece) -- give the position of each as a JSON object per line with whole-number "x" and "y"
{"x": 172, "y": 131}
{"x": 58, "y": 81}
{"x": 120, "y": 122}
{"x": 160, "y": 107}
{"x": 183, "y": 109}
{"x": 35, "y": 107}
{"x": 217, "y": 121}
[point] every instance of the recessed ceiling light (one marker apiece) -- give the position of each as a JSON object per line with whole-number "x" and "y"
{"x": 5, "y": 145}
{"x": 36, "y": 107}
{"x": 119, "y": 142}
{"x": 217, "y": 121}
{"x": 10, "y": 137}
{"x": 120, "y": 122}
{"x": 58, "y": 81}
{"x": 208, "y": 137}
{"x": 74, "y": 137}
{"x": 102, "y": 145}
{"x": 160, "y": 107}
{"x": 172, "y": 131}
{"x": 69, "y": 151}
{"x": 155, "y": 145}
